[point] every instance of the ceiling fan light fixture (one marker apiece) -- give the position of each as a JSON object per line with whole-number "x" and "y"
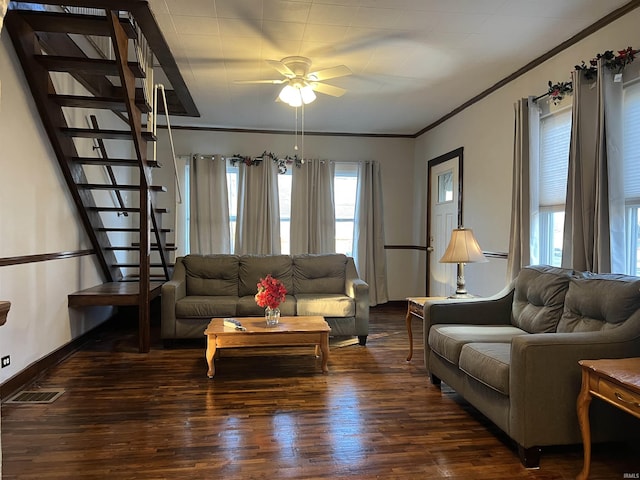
{"x": 295, "y": 94}
{"x": 290, "y": 95}
{"x": 307, "y": 94}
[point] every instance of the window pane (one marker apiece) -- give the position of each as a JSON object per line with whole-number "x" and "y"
{"x": 555, "y": 135}
{"x": 631, "y": 161}
{"x": 551, "y": 232}
{"x": 284, "y": 193}
{"x": 232, "y": 191}
{"x": 445, "y": 187}
{"x": 631, "y": 141}
{"x": 346, "y": 183}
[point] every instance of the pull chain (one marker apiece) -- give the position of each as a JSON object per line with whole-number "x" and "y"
{"x": 295, "y": 147}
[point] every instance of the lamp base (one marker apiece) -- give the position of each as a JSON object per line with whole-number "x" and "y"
{"x": 462, "y": 295}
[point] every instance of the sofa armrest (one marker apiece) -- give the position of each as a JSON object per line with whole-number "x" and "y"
{"x": 171, "y": 292}
{"x": 358, "y": 289}
{"x": 545, "y": 380}
{"x": 495, "y": 310}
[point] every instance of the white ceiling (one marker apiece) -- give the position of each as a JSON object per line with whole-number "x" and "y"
{"x": 413, "y": 61}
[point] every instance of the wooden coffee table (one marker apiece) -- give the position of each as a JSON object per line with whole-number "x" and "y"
{"x": 290, "y": 332}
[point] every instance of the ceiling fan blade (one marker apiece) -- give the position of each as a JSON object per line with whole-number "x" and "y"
{"x": 327, "y": 73}
{"x": 327, "y": 89}
{"x": 281, "y": 68}
{"x": 272, "y": 82}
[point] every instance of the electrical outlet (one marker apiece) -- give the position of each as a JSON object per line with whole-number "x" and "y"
{"x": 5, "y": 361}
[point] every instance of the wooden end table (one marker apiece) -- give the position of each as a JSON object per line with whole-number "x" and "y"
{"x": 290, "y": 332}
{"x": 415, "y": 308}
{"x": 616, "y": 381}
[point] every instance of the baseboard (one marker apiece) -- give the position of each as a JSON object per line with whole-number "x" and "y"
{"x": 33, "y": 371}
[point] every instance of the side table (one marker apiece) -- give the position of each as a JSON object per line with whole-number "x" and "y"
{"x": 616, "y": 381}
{"x": 415, "y": 308}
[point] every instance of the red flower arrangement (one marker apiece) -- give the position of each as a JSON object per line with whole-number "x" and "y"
{"x": 271, "y": 292}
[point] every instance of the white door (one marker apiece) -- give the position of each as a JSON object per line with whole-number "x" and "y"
{"x": 443, "y": 218}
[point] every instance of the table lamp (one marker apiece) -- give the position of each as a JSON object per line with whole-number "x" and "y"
{"x": 463, "y": 248}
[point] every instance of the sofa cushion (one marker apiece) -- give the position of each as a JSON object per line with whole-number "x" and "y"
{"x": 447, "y": 340}
{"x": 255, "y": 267}
{"x": 208, "y": 306}
{"x": 319, "y": 273}
{"x": 599, "y": 302}
{"x": 212, "y": 274}
{"x": 326, "y": 305}
{"x": 247, "y": 306}
{"x": 538, "y": 298}
{"x": 488, "y": 363}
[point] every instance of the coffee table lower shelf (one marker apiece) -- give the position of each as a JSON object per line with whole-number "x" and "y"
{"x": 290, "y": 332}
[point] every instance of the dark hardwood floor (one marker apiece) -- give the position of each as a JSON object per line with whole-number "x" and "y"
{"x": 127, "y": 415}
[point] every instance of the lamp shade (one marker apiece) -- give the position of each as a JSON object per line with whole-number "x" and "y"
{"x": 291, "y": 96}
{"x": 307, "y": 94}
{"x": 296, "y": 93}
{"x": 463, "y": 248}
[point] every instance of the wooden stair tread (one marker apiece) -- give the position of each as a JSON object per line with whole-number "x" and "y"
{"x": 168, "y": 245}
{"x": 74, "y": 23}
{"x": 106, "y": 103}
{"x": 108, "y": 186}
{"x": 133, "y": 230}
{"x": 90, "y": 66}
{"x": 127, "y": 209}
{"x": 135, "y": 249}
{"x": 112, "y": 293}
{"x": 114, "y": 162}
{"x": 108, "y": 134}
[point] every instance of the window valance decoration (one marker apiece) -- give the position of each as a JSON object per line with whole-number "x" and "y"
{"x": 614, "y": 62}
{"x": 282, "y": 162}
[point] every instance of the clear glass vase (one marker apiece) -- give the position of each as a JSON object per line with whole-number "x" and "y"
{"x": 272, "y": 316}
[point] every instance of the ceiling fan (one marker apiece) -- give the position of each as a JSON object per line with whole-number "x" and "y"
{"x": 299, "y": 83}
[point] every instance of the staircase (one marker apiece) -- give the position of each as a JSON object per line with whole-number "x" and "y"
{"x": 105, "y": 166}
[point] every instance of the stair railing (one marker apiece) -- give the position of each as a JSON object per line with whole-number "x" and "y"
{"x": 154, "y": 123}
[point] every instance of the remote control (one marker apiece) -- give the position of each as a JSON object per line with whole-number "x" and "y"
{"x": 232, "y": 322}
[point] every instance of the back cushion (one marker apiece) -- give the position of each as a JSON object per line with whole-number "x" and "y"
{"x": 319, "y": 273}
{"x": 255, "y": 267}
{"x": 538, "y": 299}
{"x": 599, "y": 302}
{"x": 212, "y": 274}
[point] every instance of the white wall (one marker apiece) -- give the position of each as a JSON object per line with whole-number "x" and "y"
{"x": 37, "y": 216}
{"x": 485, "y": 130}
{"x": 394, "y": 154}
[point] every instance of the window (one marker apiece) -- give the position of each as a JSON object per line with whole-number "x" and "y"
{"x": 232, "y": 192}
{"x": 345, "y": 186}
{"x": 346, "y": 181}
{"x": 555, "y": 134}
{"x": 284, "y": 194}
{"x": 631, "y": 160}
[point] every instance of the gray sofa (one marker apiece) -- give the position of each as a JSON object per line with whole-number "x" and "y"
{"x": 515, "y": 356}
{"x": 206, "y": 286}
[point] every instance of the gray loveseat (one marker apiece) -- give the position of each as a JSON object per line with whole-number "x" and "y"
{"x": 515, "y": 356}
{"x": 206, "y": 286}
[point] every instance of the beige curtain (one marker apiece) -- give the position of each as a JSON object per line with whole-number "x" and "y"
{"x": 368, "y": 236}
{"x": 313, "y": 218}
{"x": 209, "y": 223}
{"x": 258, "y": 219}
{"x": 523, "y": 237}
{"x": 594, "y": 221}
{"x": 3, "y": 11}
